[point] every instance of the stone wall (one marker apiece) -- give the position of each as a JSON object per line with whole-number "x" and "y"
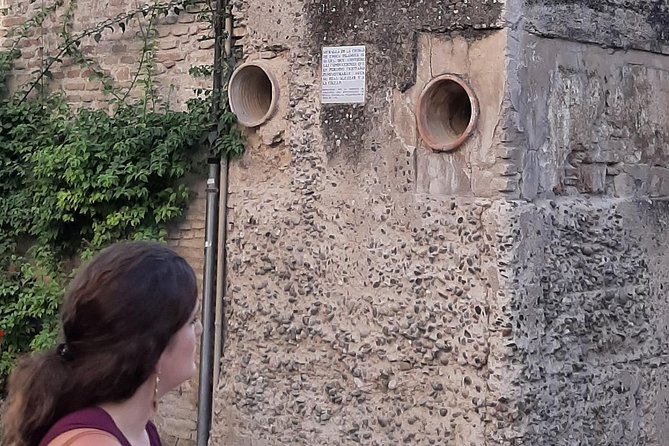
{"x": 590, "y": 322}
{"x": 592, "y": 120}
{"x": 178, "y": 48}
{"x": 508, "y": 292}
{"x": 637, "y": 24}
{"x": 588, "y": 301}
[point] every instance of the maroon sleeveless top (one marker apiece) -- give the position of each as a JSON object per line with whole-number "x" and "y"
{"x": 95, "y": 418}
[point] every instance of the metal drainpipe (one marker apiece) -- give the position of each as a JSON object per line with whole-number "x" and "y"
{"x": 204, "y": 401}
{"x": 221, "y": 276}
{"x": 205, "y": 391}
{"x": 219, "y": 334}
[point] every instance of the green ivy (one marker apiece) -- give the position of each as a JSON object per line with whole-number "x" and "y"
{"x": 73, "y": 181}
{"x": 29, "y": 300}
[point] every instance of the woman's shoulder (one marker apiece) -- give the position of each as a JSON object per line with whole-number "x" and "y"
{"x": 88, "y": 422}
{"x": 85, "y": 437}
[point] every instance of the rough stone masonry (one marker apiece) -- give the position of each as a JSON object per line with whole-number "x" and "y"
{"x": 509, "y": 292}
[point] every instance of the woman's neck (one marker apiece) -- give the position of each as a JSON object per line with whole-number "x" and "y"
{"x": 132, "y": 415}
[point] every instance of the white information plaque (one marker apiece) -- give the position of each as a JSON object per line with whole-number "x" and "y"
{"x": 343, "y": 77}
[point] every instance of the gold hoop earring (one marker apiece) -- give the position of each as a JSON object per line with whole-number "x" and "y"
{"x": 154, "y": 403}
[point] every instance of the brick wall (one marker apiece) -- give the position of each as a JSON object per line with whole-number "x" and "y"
{"x": 117, "y": 53}
{"x": 177, "y": 413}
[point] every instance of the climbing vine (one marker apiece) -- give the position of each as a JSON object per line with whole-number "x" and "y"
{"x": 75, "y": 180}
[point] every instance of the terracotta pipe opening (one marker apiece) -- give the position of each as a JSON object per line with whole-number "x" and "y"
{"x": 447, "y": 112}
{"x": 253, "y": 93}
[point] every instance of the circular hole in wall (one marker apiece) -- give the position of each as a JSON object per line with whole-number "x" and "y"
{"x": 253, "y": 93}
{"x": 447, "y": 112}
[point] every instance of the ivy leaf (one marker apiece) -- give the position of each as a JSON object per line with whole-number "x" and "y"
{"x": 212, "y": 136}
{"x": 97, "y": 37}
{"x": 222, "y": 125}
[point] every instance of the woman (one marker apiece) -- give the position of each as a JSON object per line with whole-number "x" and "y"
{"x": 129, "y": 335}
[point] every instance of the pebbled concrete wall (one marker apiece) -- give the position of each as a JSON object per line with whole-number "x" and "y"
{"x": 511, "y": 292}
{"x": 360, "y": 280}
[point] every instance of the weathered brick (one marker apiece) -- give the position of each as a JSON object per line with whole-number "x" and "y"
{"x": 162, "y": 68}
{"x": 122, "y": 74}
{"x": 73, "y": 73}
{"x": 129, "y": 60}
{"x": 206, "y": 44}
{"x": 173, "y": 56}
{"x": 168, "y": 43}
{"x": 119, "y": 48}
{"x": 95, "y": 85}
{"x": 74, "y": 85}
{"x": 9, "y": 22}
{"x": 186, "y": 18}
{"x": 192, "y": 243}
{"x": 239, "y": 31}
{"x": 179, "y": 30}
